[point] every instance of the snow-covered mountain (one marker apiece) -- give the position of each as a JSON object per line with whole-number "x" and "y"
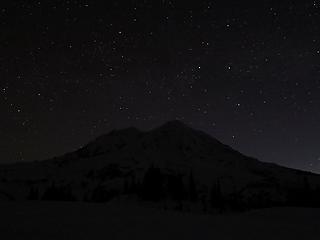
{"x": 170, "y": 163}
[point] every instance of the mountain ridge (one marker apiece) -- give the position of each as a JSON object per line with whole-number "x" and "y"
{"x": 170, "y": 153}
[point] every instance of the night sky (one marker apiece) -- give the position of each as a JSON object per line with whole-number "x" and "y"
{"x": 246, "y": 72}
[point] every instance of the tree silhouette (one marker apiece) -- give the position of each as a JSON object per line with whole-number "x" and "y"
{"x": 152, "y": 185}
{"x": 125, "y": 186}
{"x": 58, "y": 193}
{"x": 33, "y": 194}
{"x": 102, "y": 194}
{"x": 176, "y": 188}
{"x": 193, "y": 194}
{"x": 216, "y": 197}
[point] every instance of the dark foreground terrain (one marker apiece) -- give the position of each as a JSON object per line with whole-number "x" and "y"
{"x": 60, "y": 220}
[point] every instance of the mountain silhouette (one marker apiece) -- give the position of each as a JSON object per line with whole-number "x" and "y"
{"x": 172, "y": 163}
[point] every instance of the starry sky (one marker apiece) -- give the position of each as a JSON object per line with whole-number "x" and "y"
{"x": 246, "y": 72}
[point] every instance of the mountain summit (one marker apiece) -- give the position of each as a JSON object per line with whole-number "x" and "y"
{"x": 172, "y": 162}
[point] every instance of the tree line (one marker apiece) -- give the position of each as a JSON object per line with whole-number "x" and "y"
{"x": 181, "y": 190}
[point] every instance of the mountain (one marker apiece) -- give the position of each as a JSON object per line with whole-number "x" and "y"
{"x": 173, "y": 165}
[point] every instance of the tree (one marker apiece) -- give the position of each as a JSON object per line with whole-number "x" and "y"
{"x": 102, "y": 194}
{"x": 152, "y": 185}
{"x": 176, "y": 188}
{"x": 33, "y": 194}
{"x": 193, "y": 194}
{"x": 216, "y": 198}
{"x": 130, "y": 185}
{"x": 125, "y": 186}
{"x": 58, "y": 193}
